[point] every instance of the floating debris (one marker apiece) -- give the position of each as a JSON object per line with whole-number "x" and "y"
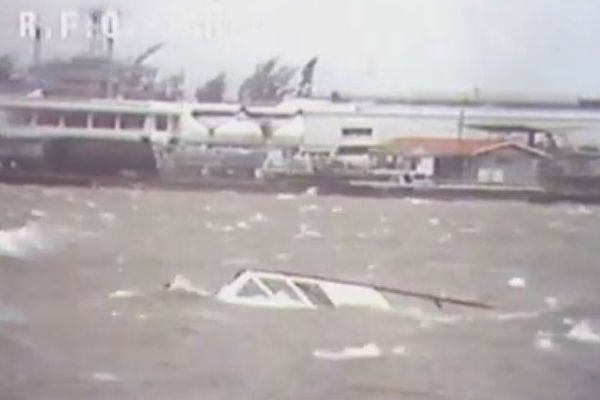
{"x": 582, "y": 332}
{"x": 370, "y": 350}
{"x": 183, "y": 284}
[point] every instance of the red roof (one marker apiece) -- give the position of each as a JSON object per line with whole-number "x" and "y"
{"x": 437, "y": 146}
{"x": 514, "y": 145}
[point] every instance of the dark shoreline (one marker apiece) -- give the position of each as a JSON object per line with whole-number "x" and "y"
{"x": 321, "y": 186}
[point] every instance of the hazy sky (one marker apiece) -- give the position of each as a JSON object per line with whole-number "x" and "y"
{"x": 365, "y": 46}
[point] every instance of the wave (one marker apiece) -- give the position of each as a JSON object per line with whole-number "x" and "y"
{"x": 23, "y": 241}
{"x": 370, "y": 350}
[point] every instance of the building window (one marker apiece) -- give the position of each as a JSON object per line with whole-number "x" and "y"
{"x": 348, "y": 132}
{"x": 132, "y": 121}
{"x": 48, "y": 118}
{"x": 104, "y": 121}
{"x": 19, "y": 117}
{"x": 174, "y": 123}
{"x": 76, "y": 120}
{"x": 161, "y": 122}
{"x": 352, "y": 150}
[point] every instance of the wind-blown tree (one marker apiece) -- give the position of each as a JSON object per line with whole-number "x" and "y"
{"x": 268, "y": 83}
{"x": 213, "y": 90}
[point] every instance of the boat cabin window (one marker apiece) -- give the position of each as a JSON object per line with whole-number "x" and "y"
{"x": 251, "y": 289}
{"x": 278, "y": 286}
{"x": 132, "y": 121}
{"x": 76, "y": 119}
{"x": 161, "y": 122}
{"x": 104, "y": 121}
{"x": 357, "y": 132}
{"x": 314, "y": 293}
{"x": 19, "y": 117}
{"x": 352, "y": 150}
{"x": 48, "y": 118}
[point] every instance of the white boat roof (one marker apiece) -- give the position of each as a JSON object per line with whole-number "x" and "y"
{"x": 94, "y": 105}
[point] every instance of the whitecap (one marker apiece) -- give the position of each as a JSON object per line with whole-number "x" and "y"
{"x": 23, "y": 241}
{"x": 434, "y": 221}
{"x": 370, "y": 350}
{"x": 90, "y": 204}
{"x": 107, "y": 216}
{"x": 518, "y": 315}
{"x": 282, "y": 257}
{"x": 307, "y": 232}
{"x": 446, "y": 238}
{"x": 551, "y": 302}
{"x": 399, "y": 350}
{"x": 123, "y": 294}
{"x": 182, "y": 284}
{"x": 243, "y": 225}
{"x": 37, "y": 213}
{"x": 104, "y": 377}
{"x": 312, "y": 191}
{"x": 517, "y": 282}
{"x": 285, "y": 196}
{"x": 418, "y": 202}
{"x": 258, "y": 217}
{"x": 579, "y": 210}
{"x": 337, "y": 209}
{"x": 582, "y": 332}
{"x": 543, "y": 341}
{"x": 308, "y": 208}
{"x": 239, "y": 261}
{"x": 228, "y": 228}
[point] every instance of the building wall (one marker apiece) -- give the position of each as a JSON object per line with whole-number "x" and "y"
{"x": 516, "y": 168}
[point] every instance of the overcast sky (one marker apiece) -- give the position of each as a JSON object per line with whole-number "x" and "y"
{"x": 381, "y": 47}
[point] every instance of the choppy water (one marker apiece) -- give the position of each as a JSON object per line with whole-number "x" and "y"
{"x": 63, "y": 336}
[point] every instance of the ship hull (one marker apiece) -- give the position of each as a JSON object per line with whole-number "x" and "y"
{"x": 76, "y": 156}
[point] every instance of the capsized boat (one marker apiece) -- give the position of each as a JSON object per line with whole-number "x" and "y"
{"x": 279, "y": 289}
